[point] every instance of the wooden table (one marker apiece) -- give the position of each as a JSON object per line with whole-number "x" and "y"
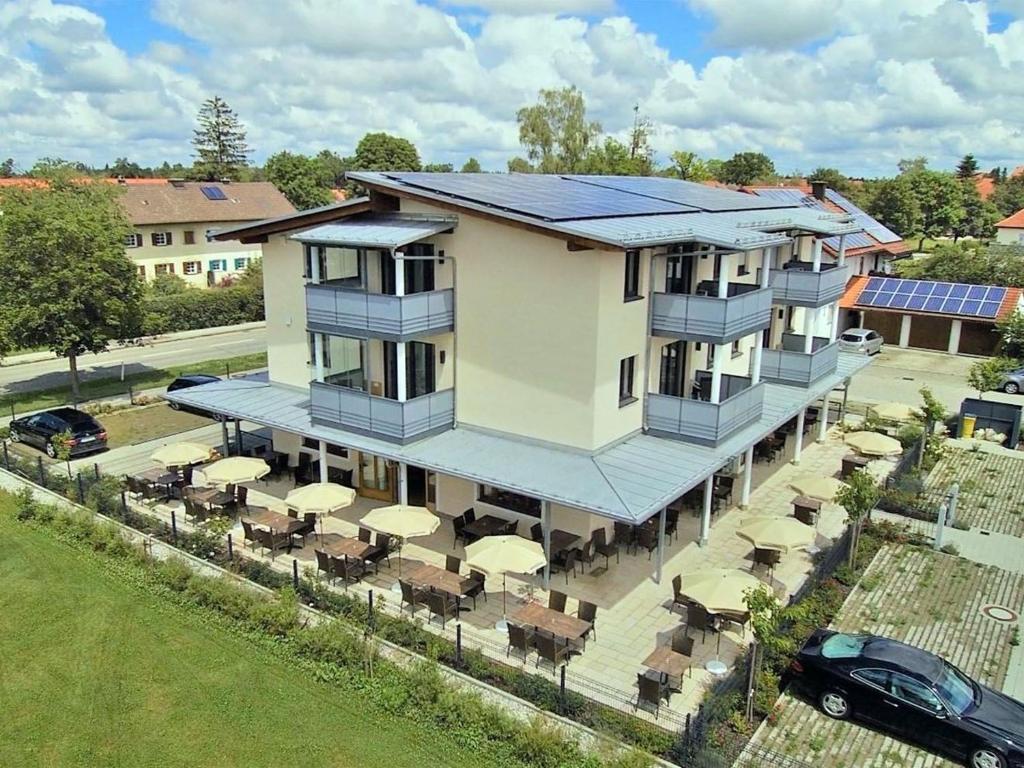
{"x": 806, "y": 509}
{"x": 557, "y": 623}
{"x": 426, "y": 575}
{"x": 158, "y": 476}
{"x": 488, "y": 525}
{"x": 348, "y": 546}
{"x": 562, "y": 540}
{"x": 275, "y": 521}
{"x": 852, "y": 462}
{"x": 212, "y": 497}
{"x": 667, "y": 662}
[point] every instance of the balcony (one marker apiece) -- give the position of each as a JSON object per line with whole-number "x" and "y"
{"x": 710, "y": 319}
{"x": 353, "y": 312}
{"x": 794, "y": 367}
{"x": 798, "y": 285}
{"x": 381, "y": 417}
{"x": 702, "y": 422}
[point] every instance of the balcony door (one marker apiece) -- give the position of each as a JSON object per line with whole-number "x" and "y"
{"x": 673, "y": 369}
{"x": 419, "y": 273}
{"x": 679, "y": 273}
{"x": 376, "y": 478}
{"x": 419, "y": 369}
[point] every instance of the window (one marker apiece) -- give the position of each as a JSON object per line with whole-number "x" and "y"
{"x": 736, "y": 351}
{"x": 876, "y": 677}
{"x": 164, "y": 269}
{"x": 343, "y": 360}
{"x": 218, "y": 265}
{"x": 673, "y": 369}
{"x": 332, "y": 450}
{"x": 134, "y": 240}
{"x": 627, "y": 369}
{"x": 515, "y": 502}
{"x": 192, "y": 267}
{"x": 743, "y": 266}
{"x": 142, "y": 271}
{"x": 632, "y": 287}
{"x": 913, "y": 692}
{"x": 160, "y": 238}
{"x": 240, "y": 263}
{"x": 955, "y": 689}
{"x": 840, "y": 646}
{"x": 190, "y": 237}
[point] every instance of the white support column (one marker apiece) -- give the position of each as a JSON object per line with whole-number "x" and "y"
{"x": 905, "y": 330}
{"x": 323, "y": 461}
{"x": 841, "y": 253}
{"x": 318, "y": 356}
{"x": 724, "y": 264}
{"x": 799, "y": 444}
{"x": 705, "y": 518}
{"x": 545, "y": 524}
{"x": 823, "y": 418}
{"x": 403, "y": 483}
{"x": 809, "y": 313}
{"x": 833, "y": 332}
{"x": 816, "y": 254}
{"x": 314, "y": 263}
{"x": 721, "y": 350}
{"x": 400, "y": 372}
{"x": 954, "y": 337}
{"x": 661, "y": 544}
{"x": 748, "y": 471}
{"x": 238, "y": 437}
{"x": 755, "y": 357}
{"x": 225, "y": 441}
{"x": 767, "y": 260}
{"x": 399, "y": 273}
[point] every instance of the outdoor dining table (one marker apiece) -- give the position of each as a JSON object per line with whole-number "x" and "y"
{"x": 275, "y": 521}
{"x": 427, "y": 575}
{"x": 347, "y": 546}
{"x": 557, "y": 623}
{"x": 158, "y": 476}
{"x": 563, "y": 540}
{"x": 668, "y": 662}
{"x": 488, "y": 525}
{"x": 211, "y": 497}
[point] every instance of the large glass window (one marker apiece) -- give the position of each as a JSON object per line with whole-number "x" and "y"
{"x": 516, "y": 502}
{"x": 343, "y": 361}
{"x": 627, "y": 369}
{"x": 338, "y": 266}
{"x": 419, "y": 271}
{"x": 632, "y": 276}
{"x": 673, "y": 369}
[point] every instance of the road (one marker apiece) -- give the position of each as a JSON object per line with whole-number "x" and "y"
{"x": 54, "y": 373}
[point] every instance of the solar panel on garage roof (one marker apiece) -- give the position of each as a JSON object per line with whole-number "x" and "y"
{"x": 687, "y": 193}
{"x": 546, "y": 197}
{"x": 982, "y": 301}
{"x": 880, "y": 232}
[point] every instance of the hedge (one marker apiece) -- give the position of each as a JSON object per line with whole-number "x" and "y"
{"x": 193, "y": 309}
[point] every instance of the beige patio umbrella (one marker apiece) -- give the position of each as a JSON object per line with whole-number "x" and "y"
{"x": 320, "y": 499}
{"x": 894, "y": 411}
{"x": 874, "y": 444}
{"x": 817, "y": 487}
{"x": 719, "y": 590}
{"x": 181, "y": 454}
{"x": 235, "y": 470}
{"x": 494, "y": 555}
{"x": 783, "y": 534}
{"x": 403, "y": 521}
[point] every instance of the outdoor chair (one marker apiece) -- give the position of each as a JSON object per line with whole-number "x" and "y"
{"x": 698, "y": 617}
{"x": 365, "y": 535}
{"x": 381, "y": 551}
{"x": 441, "y": 604}
{"x": 411, "y": 596}
{"x": 520, "y": 639}
{"x": 651, "y": 689}
{"x": 195, "y": 510}
{"x": 323, "y": 564}
{"x": 537, "y": 532}
{"x": 308, "y": 526}
{"x": 602, "y": 547}
{"x": 152, "y": 492}
{"x": 347, "y": 570}
{"x": 469, "y": 516}
{"x": 585, "y": 554}
{"x": 134, "y": 487}
{"x": 241, "y": 497}
{"x": 678, "y": 599}
{"x": 565, "y": 562}
{"x": 510, "y": 528}
{"x": 587, "y": 612}
{"x": 625, "y": 534}
{"x": 556, "y": 601}
{"x": 672, "y": 524}
{"x": 683, "y": 645}
{"x": 551, "y": 649}
{"x": 477, "y": 586}
{"x": 647, "y": 538}
{"x": 459, "y": 527}
{"x": 452, "y": 564}
{"x": 249, "y": 535}
{"x": 273, "y": 541}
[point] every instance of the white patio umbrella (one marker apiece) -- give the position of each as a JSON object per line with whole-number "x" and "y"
{"x": 320, "y": 499}
{"x": 235, "y": 470}
{"x": 816, "y": 487}
{"x": 403, "y": 521}
{"x": 894, "y": 411}
{"x": 874, "y": 444}
{"x": 782, "y": 534}
{"x": 181, "y": 454}
{"x": 719, "y": 590}
{"x": 494, "y": 555}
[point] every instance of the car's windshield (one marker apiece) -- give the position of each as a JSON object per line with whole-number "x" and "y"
{"x": 955, "y": 689}
{"x": 841, "y": 646}
{"x": 852, "y": 337}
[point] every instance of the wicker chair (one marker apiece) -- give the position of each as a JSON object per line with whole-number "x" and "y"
{"x": 520, "y": 639}
{"x": 551, "y": 649}
{"x": 556, "y": 601}
{"x": 441, "y": 604}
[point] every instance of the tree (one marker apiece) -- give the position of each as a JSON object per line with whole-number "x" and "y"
{"x": 7, "y": 168}
{"x": 303, "y": 180}
{"x": 383, "y": 152}
{"x": 167, "y": 285}
{"x": 520, "y": 165}
{"x": 980, "y": 216}
{"x": 68, "y": 284}
{"x": 1011, "y": 335}
{"x": 45, "y": 167}
{"x": 614, "y": 158}
{"x": 219, "y": 142}
{"x": 747, "y": 167}
{"x": 987, "y": 374}
{"x": 833, "y": 179}
{"x": 439, "y": 168}
{"x": 640, "y": 151}
{"x": 1008, "y": 196}
{"x": 689, "y": 167}
{"x": 895, "y": 205}
{"x": 471, "y": 166}
{"x": 940, "y": 200}
{"x": 858, "y": 497}
{"x": 912, "y": 165}
{"x": 124, "y": 167}
{"x": 556, "y": 132}
{"x": 967, "y": 167}
{"x": 969, "y": 262}
{"x": 334, "y": 166}
{"x": 767, "y": 619}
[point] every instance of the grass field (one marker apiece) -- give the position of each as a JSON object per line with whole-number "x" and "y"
{"x": 94, "y": 672}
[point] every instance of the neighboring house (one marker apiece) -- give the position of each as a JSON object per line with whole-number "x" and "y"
{"x": 171, "y": 218}
{"x": 1010, "y": 231}
{"x": 928, "y": 314}
{"x": 573, "y": 351}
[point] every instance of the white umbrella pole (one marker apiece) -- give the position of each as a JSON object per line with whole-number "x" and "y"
{"x": 502, "y": 624}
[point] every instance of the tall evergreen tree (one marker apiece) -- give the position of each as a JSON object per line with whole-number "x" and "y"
{"x": 967, "y": 167}
{"x": 219, "y": 142}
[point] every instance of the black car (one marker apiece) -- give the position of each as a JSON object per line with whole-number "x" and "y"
{"x": 187, "y": 381}
{"x": 40, "y": 429}
{"x": 914, "y": 694}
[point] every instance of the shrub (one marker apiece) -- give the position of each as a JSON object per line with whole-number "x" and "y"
{"x": 197, "y": 308}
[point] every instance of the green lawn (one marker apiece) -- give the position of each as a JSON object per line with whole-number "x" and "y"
{"x": 94, "y": 672}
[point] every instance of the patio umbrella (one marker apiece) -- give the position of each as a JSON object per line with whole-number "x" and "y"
{"x": 320, "y": 499}
{"x": 874, "y": 444}
{"x": 403, "y": 521}
{"x": 719, "y": 590}
{"x": 493, "y": 555}
{"x": 782, "y": 534}
{"x": 820, "y": 488}
{"x": 181, "y": 454}
{"x": 894, "y": 411}
{"x": 235, "y": 470}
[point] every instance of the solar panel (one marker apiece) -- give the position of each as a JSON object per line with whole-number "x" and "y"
{"x": 977, "y": 292}
{"x": 213, "y": 193}
{"x": 981, "y": 301}
{"x": 916, "y": 301}
{"x": 699, "y": 196}
{"x": 872, "y": 226}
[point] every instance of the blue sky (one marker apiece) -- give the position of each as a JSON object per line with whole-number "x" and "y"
{"x": 856, "y": 84}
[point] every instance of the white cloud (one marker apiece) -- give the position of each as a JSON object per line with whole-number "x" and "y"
{"x": 534, "y": 7}
{"x": 769, "y": 23}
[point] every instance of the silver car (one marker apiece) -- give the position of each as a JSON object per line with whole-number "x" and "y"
{"x": 1013, "y": 382}
{"x": 861, "y": 340}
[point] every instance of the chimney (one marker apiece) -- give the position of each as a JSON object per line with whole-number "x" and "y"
{"x": 818, "y": 189}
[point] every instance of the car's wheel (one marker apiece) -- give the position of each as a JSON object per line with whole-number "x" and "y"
{"x": 174, "y": 406}
{"x": 834, "y": 704}
{"x": 15, "y": 437}
{"x": 1011, "y": 388}
{"x": 51, "y": 450}
{"x": 986, "y": 757}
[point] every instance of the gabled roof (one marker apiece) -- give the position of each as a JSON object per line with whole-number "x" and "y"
{"x": 184, "y": 202}
{"x": 1013, "y": 221}
{"x": 1010, "y": 301}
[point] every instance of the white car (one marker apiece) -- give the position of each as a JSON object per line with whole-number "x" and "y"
{"x": 861, "y": 340}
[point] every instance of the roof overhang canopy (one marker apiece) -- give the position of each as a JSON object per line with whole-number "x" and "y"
{"x": 376, "y": 231}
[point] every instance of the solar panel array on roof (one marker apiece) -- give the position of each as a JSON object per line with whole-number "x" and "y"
{"x": 699, "y": 196}
{"x": 547, "y": 197}
{"x": 788, "y": 195}
{"x": 981, "y": 301}
{"x": 870, "y": 225}
{"x": 213, "y": 193}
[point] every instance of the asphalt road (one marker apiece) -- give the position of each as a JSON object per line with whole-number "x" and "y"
{"x": 54, "y": 373}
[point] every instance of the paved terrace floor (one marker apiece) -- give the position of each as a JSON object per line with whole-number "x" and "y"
{"x": 634, "y": 613}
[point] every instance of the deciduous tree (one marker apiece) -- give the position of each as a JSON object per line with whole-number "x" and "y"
{"x": 7, "y": 168}
{"x": 689, "y": 167}
{"x": 747, "y": 167}
{"x": 384, "y": 152}
{"x": 303, "y": 180}
{"x": 858, "y": 497}
{"x": 219, "y": 142}
{"x": 556, "y": 132}
{"x": 439, "y": 168}
{"x": 471, "y": 166}
{"x": 987, "y": 374}
{"x": 940, "y": 200}
{"x": 833, "y": 179}
{"x": 895, "y": 205}
{"x": 1008, "y": 196}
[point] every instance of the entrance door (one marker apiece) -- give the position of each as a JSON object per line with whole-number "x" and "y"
{"x": 679, "y": 273}
{"x": 376, "y": 479}
{"x": 673, "y": 369}
{"x": 422, "y": 489}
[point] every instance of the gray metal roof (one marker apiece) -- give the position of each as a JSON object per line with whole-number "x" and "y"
{"x": 630, "y": 480}
{"x": 376, "y": 231}
{"x": 297, "y": 215}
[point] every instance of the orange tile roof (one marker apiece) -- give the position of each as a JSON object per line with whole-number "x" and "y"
{"x": 853, "y": 288}
{"x": 1013, "y": 221}
{"x": 857, "y": 283}
{"x": 1010, "y": 303}
{"x": 985, "y": 185}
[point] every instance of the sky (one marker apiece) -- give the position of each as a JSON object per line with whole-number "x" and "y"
{"x": 853, "y": 84}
